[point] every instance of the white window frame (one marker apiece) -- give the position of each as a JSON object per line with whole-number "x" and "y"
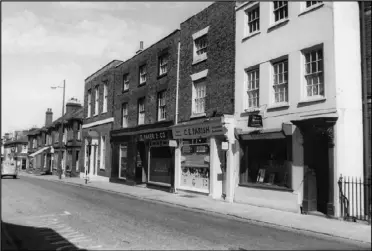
{"x": 284, "y": 8}
{"x": 141, "y": 111}
{"x": 312, "y": 4}
{"x": 124, "y": 114}
{"x": 162, "y": 109}
{"x": 96, "y": 98}
{"x": 163, "y": 64}
{"x": 103, "y": 152}
{"x": 89, "y": 103}
{"x": 251, "y": 9}
{"x": 196, "y": 37}
{"x": 123, "y": 145}
{"x": 198, "y": 96}
{"x": 252, "y": 77}
{"x": 142, "y": 74}
{"x": 310, "y": 74}
{"x": 105, "y": 97}
{"x": 125, "y": 82}
{"x": 278, "y": 85}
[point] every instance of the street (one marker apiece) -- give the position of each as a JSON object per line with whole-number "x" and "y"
{"x": 45, "y": 215}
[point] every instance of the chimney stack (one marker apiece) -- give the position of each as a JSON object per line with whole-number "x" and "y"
{"x": 48, "y": 117}
{"x": 141, "y": 48}
{"x": 72, "y": 105}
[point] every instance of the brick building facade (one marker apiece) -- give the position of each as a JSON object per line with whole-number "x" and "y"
{"x": 206, "y": 101}
{"x": 144, "y": 109}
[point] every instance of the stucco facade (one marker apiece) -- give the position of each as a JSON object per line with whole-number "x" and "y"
{"x": 337, "y": 112}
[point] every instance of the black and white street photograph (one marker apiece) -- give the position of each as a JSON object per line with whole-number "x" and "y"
{"x": 186, "y": 125}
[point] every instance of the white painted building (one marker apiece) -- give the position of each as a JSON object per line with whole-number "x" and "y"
{"x": 298, "y": 69}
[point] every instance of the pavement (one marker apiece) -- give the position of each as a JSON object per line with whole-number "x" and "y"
{"x": 299, "y": 222}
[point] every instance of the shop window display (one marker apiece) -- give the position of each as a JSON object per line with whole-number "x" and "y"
{"x": 265, "y": 163}
{"x": 195, "y": 164}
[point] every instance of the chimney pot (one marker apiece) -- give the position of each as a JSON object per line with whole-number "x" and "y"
{"x": 141, "y": 45}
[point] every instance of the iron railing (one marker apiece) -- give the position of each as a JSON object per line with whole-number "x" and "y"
{"x": 355, "y": 198}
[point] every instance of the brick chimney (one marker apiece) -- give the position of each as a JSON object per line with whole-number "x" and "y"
{"x": 141, "y": 48}
{"x": 72, "y": 105}
{"x": 48, "y": 117}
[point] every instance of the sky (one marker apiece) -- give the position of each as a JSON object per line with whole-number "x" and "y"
{"x": 45, "y": 43}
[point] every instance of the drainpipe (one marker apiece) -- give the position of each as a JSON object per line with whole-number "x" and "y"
{"x": 175, "y": 151}
{"x": 177, "y": 81}
{"x": 364, "y": 89}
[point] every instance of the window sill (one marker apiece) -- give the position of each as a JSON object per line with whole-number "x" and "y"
{"x": 162, "y": 75}
{"x": 103, "y": 112}
{"x": 124, "y": 91}
{"x": 278, "y": 105}
{"x": 278, "y": 24}
{"x": 160, "y": 120}
{"x": 312, "y": 100}
{"x": 252, "y": 110}
{"x": 199, "y": 59}
{"x": 142, "y": 84}
{"x": 198, "y": 115}
{"x": 95, "y": 115}
{"x": 311, "y": 8}
{"x": 250, "y": 36}
{"x": 266, "y": 186}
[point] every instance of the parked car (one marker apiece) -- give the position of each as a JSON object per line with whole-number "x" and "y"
{"x": 9, "y": 169}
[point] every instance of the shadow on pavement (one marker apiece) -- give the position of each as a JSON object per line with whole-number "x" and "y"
{"x": 17, "y": 237}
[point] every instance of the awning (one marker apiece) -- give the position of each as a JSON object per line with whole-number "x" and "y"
{"x": 39, "y": 151}
{"x": 272, "y": 133}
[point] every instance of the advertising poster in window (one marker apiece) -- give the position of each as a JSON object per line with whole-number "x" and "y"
{"x": 195, "y": 167}
{"x": 123, "y": 162}
{"x": 160, "y": 170}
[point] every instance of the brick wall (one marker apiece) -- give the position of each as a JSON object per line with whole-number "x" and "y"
{"x": 367, "y": 30}
{"x": 220, "y": 17}
{"x": 153, "y": 85}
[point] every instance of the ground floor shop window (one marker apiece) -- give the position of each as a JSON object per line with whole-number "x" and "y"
{"x": 265, "y": 163}
{"x": 195, "y": 164}
{"x": 160, "y": 165}
{"x": 123, "y": 161}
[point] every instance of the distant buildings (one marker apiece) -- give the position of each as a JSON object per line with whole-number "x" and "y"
{"x": 15, "y": 148}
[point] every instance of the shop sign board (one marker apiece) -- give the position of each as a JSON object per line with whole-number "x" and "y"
{"x": 255, "y": 120}
{"x": 197, "y": 131}
{"x": 160, "y": 135}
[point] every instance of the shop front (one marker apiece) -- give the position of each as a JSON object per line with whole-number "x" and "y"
{"x": 201, "y": 161}
{"x": 143, "y": 155}
{"x": 271, "y": 171}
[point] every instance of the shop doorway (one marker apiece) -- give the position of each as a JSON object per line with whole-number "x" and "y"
{"x": 23, "y": 164}
{"x": 316, "y": 158}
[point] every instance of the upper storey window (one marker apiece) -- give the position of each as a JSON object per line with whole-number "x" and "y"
{"x": 200, "y": 45}
{"x": 280, "y": 10}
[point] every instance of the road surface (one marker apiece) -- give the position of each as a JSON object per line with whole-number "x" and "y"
{"x": 46, "y": 215}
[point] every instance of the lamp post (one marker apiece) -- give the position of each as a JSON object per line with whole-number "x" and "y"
{"x": 63, "y": 112}
{"x": 64, "y": 89}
